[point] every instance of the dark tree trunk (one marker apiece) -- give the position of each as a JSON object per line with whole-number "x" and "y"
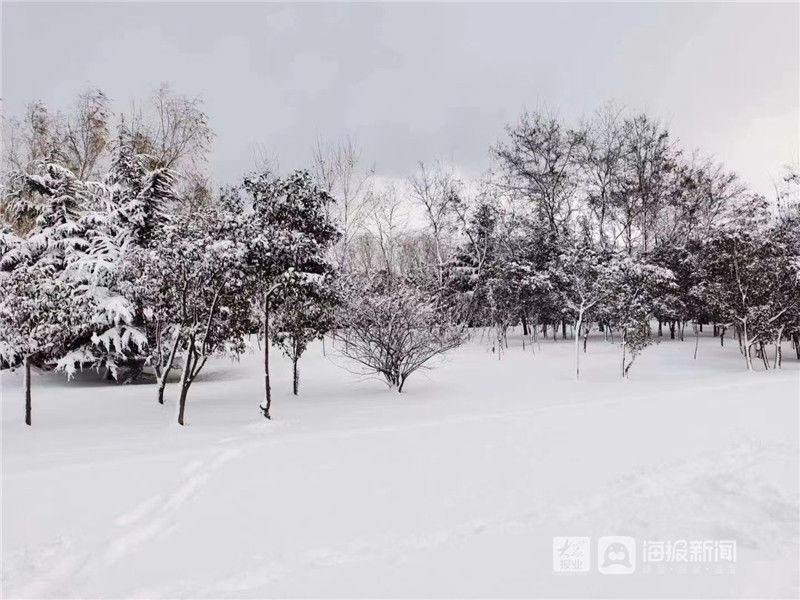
{"x": 563, "y": 329}
{"x": 660, "y": 330}
{"x": 672, "y": 330}
{"x": 185, "y": 380}
{"x": 182, "y": 403}
{"x": 27, "y": 390}
{"x": 524, "y": 325}
{"x": 295, "y": 377}
{"x": 267, "y": 390}
{"x": 161, "y": 393}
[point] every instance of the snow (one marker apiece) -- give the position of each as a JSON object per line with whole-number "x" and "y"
{"x": 454, "y": 488}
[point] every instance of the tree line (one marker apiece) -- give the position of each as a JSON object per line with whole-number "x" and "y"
{"x": 116, "y": 254}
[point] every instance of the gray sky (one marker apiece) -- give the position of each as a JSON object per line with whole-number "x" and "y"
{"x": 415, "y": 81}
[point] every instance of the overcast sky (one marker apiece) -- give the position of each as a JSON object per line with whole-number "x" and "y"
{"x": 415, "y": 81}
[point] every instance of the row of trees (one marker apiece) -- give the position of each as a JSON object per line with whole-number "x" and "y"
{"x": 608, "y": 224}
{"x": 116, "y": 255}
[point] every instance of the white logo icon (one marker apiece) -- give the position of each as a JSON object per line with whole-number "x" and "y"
{"x": 571, "y": 554}
{"x": 616, "y": 555}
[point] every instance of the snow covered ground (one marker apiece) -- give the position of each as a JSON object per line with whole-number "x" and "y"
{"x": 454, "y": 488}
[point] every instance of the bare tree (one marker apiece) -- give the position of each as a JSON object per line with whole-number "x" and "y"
{"x": 437, "y": 190}
{"x": 600, "y": 158}
{"x": 388, "y": 221}
{"x": 538, "y": 162}
{"x": 338, "y": 168}
{"x": 86, "y": 133}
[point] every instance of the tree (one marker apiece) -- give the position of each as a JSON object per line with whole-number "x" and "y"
{"x": 576, "y": 274}
{"x": 630, "y": 291}
{"x": 306, "y": 314}
{"x": 741, "y": 271}
{"x": 39, "y": 319}
{"x": 436, "y": 190}
{"x": 393, "y": 330}
{"x": 289, "y": 236}
{"x": 202, "y": 263}
{"x": 73, "y": 239}
{"x": 338, "y": 169}
{"x": 600, "y": 158}
{"x": 538, "y": 163}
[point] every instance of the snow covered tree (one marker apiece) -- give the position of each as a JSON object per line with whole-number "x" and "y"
{"x": 682, "y": 302}
{"x": 630, "y": 290}
{"x": 72, "y": 240}
{"x": 40, "y": 319}
{"x": 195, "y": 291}
{"x": 576, "y": 274}
{"x": 306, "y": 313}
{"x": 393, "y": 330}
{"x": 740, "y": 276}
{"x": 289, "y": 236}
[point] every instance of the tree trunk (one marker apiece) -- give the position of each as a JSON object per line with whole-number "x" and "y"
{"x": 182, "y": 403}
{"x": 624, "y": 370}
{"x": 563, "y": 329}
{"x": 577, "y": 345}
{"x": 746, "y": 344}
{"x": 660, "y": 329}
{"x": 162, "y": 377}
{"x": 672, "y": 330}
{"x": 295, "y": 377}
{"x": 778, "y": 353}
{"x": 185, "y": 380}
{"x": 524, "y": 325}
{"x": 763, "y": 351}
{"x": 27, "y": 390}
{"x": 696, "y": 340}
{"x": 267, "y": 391}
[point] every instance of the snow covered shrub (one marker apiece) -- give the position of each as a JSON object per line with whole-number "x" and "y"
{"x": 394, "y": 330}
